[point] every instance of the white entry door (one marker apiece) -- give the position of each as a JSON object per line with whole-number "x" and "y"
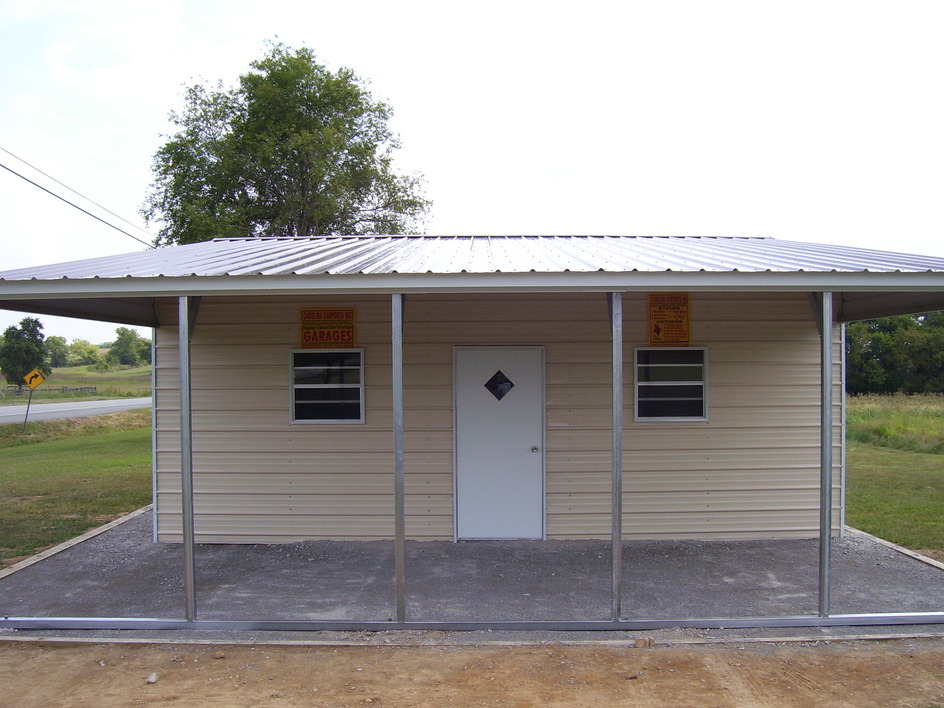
{"x": 499, "y": 419}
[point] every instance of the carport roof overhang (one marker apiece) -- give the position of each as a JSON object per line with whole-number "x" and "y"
{"x": 132, "y": 300}
{"x": 125, "y": 289}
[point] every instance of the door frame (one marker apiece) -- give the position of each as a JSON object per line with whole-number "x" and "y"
{"x": 542, "y": 350}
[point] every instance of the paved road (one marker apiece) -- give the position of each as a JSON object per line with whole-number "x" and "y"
{"x": 80, "y": 409}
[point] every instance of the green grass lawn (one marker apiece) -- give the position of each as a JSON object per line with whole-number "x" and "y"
{"x": 118, "y": 382}
{"x": 895, "y": 469}
{"x": 913, "y": 423}
{"x": 64, "y": 477}
{"x": 896, "y": 495}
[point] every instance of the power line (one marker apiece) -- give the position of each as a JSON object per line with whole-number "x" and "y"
{"x": 84, "y": 211}
{"x": 63, "y": 184}
{"x": 76, "y": 206}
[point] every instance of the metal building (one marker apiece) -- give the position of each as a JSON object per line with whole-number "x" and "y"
{"x": 473, "y": 388}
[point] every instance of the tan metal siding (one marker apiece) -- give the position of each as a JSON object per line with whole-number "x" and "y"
{"x": 750, "y": 471}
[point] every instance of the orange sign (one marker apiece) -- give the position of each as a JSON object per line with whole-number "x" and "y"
{"x": 329, "y": 329}
{"x": 668, "y": 319}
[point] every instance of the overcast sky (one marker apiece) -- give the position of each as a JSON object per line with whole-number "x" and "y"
{"x": 808, "y": 121}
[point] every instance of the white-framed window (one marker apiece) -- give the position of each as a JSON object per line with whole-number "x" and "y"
{"x": 671, "y": 383}
{"x": 327, "y": 386}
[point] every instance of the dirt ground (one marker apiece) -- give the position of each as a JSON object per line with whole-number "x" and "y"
{"x": 850, "y": 673}
{"x": 931, "y": 553}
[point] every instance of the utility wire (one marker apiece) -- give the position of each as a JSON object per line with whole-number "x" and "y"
{"x": 63, "y": 184}
{"x": 76, "y": 206}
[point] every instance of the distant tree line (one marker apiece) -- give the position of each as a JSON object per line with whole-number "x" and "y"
{"x": 128, "y": 349}
{"x": 903, "y": 354}
{"x": 25, "y": 347}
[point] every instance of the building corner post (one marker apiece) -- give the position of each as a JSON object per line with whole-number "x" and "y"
{"x": 616, "y": 326}
{"x": 398, "y": 302}
{"x": 826, "y": 451}
{"x": 185, "y": 323}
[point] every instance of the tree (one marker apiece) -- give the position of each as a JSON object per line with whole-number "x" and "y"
{"x": 902, "y": 354}
{"x": 144, "y": 350}
{"x": 83, "y": 353}
{"x": 22, "y": 350}
{"x": 57, "y": 352}
{"x": 293, "y": 150}
{"x": 130, "y": 348}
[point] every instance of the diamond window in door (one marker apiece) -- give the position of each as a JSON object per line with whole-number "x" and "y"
{"x": 499, "y": 385}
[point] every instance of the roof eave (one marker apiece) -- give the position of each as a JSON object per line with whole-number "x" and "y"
{"x": 599, "y": 281}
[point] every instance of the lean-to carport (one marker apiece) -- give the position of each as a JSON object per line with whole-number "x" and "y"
{"x": 844, "y": 284}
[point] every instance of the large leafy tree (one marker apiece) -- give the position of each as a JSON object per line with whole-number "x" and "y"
{"x": 57, "y": 351}
{"x": 903, "y": 354}
{"x": 294, "y": 149}
{"x": 83, "y": 353}
{"x": 130, "y": 348}
{"x": 22, "y": 350}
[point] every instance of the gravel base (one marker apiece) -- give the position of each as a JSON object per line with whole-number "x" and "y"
{"x": 121, "y": 573}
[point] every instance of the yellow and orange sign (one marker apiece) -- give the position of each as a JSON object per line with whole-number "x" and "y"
{"x": 328, "y": 329}
{"x": 668, "y": 319}
{"x": 34, "y": 379}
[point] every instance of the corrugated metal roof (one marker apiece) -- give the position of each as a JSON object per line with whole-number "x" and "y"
{"x": 378, "y": 255}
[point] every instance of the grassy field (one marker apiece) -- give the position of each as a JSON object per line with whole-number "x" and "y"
{"x": 912, "y": 423}
{"x": 119, "y": 382}
{"x": 895, "y": 463}
{"x": 64, "y": 477}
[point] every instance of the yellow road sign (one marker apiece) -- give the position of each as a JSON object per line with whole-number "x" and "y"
{"x": 34, "y": 379}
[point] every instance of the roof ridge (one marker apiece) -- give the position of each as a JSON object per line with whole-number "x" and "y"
{"x": 371, "y": 237}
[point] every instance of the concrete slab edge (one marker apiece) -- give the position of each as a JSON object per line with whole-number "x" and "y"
{"x": 901, "y": 549}
{"x": 91, "y": 533}
{"x": 629, "y": 643}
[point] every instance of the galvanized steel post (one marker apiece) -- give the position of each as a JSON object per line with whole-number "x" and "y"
{"x": 184, "y": 326}
{"x": 826, "y": 451}
{"x": 398, "y": 475}
{"x": 616, "y": 326}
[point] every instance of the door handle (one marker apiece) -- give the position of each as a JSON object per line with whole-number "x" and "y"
{"x": 534, "y": 448}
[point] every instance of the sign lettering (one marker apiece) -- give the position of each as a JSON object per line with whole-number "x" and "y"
{"x": 669, "y": 319}
{"x": 328, "y": 329}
